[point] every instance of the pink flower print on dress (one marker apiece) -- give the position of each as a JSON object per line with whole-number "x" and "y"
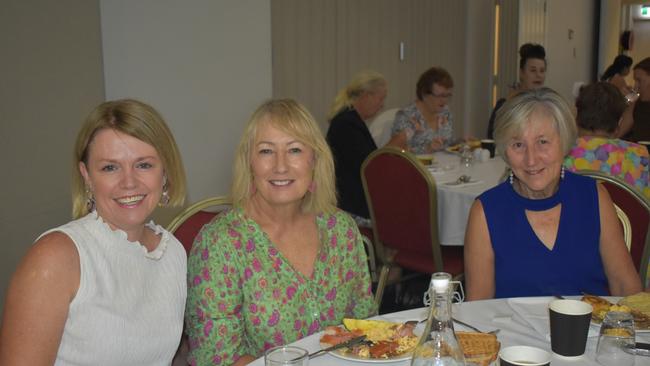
{"x": 297, "y": 325}
{"x": 221, "y": 307}
{"x": 273, "y": 252}
{"x": 334, "y": 241}
{"x": 250, "y": 246}
{"x": 330, "y": 313}
{"x": 252, "y": 308}
{"x": 248, "y": 273}
{"x": 224, "y": 270}
{"x": 331, "y": 222}
{"x": 219, "y": 345}
{"x": 257, "y": 266}
{"x": 205, "y": 273}
{"x": 349, "y": 275}
{"x": 233, "y": 233}
{"x": 205, "y": 254}
{"x": 278, "y": 338}
{"x": 350, "y": 246}
{"x": 290, "y": 292}
{"x": 276, "y": 293}
{"x": 208, "y": 328}
{"x": 237, "y": 244}
{"x": 301, "y": 310}
{"x": 216, "y": 360}
{"x": 331, "y": 295}
{"x": 314, "y": 327}
{"x": 256, "y": 321}
{"x": 274, "y": 319}
{"x": 209, "y": 293}
{"x": 196, "y": 281}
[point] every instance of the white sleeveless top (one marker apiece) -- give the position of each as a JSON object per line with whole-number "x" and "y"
{"x": 130, "y": 303}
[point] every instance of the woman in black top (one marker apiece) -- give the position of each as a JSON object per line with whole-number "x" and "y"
{"x": 532, "y": 73}
{"x": 350, "y": 140}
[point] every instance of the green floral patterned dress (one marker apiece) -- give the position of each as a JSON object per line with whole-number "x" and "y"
{"x": 245, "y": 297}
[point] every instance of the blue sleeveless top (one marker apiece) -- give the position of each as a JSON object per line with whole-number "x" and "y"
{"x": 523, "y": 265}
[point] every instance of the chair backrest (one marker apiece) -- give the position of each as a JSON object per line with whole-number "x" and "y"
{"x": 637, "y": 210}
{"x": 186, "y": 225}
{"x": 402, "y": 200}
{"x": 381, "y": 126}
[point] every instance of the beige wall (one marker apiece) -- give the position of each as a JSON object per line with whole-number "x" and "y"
{"x": 205, "y": 67}
{"x": 51, "y": 78}
{"x": 570, "y": 60}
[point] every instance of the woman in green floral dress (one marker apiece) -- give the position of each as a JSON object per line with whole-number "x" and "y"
{"x": 284, "y": 262}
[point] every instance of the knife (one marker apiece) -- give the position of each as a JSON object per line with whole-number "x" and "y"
{"x": 348, "y": 343}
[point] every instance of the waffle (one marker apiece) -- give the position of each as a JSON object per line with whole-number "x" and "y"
{"x": 636, "y": 304}
{"x": 479, "y": 348}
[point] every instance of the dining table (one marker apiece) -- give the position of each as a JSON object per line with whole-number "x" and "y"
{"x": 455, "y": 200}
{"x": 521, "y": 322}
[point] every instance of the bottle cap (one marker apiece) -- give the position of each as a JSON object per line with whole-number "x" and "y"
{"x": 440, "y": 284}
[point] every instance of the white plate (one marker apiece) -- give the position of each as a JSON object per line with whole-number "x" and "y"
{"x": 404, "y": 357}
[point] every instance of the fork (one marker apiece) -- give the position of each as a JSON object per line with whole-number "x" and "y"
{"x": 474, "y": 328}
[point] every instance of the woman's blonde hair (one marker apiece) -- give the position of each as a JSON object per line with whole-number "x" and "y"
{"x": 366, "y": 81}
{"x": 515, "y": 115}
{"x": 133, "y": 118}
{"x": 292, "y": 118}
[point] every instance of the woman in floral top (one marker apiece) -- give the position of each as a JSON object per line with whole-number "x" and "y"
{"x": 425, "y": 125}
{"x": 600, "y": 106}
{"x": 284, "y": 262}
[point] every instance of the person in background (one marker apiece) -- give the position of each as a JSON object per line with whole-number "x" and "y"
{"x": 425, "y": 126}
{"x": 107, "y": 288}
{"x": 636, "y": 121}
{"x": 350, "y": 140}
{"x": 284, "y": 262}
{"x": 544, "y": 231}
{"x": 616, "y": 73}
{"x": 532, "y": 74}
{"x": 600, "y": 107}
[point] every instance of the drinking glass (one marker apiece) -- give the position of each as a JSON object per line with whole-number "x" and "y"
{"x": 616, "y": 334}
{"x": 286, "y": 356}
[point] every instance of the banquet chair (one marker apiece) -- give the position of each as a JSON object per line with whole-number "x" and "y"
{"x": 381, "y": 126}
{"x": 402, "y": 199}
{"x": 186, "y": 225}
{"x": 633, "y": 210}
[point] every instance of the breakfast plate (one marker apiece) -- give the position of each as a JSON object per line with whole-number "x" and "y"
{"x": 386, "y": 341}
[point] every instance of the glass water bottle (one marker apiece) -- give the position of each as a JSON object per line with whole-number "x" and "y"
{"x": 438, "y": 345}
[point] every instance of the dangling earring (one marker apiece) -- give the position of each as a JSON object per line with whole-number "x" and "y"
{"x": 90, "y": 200}
{"x": 164, "y": 199}
{"x": 312, "y": 186}
{"x": 511, "y": 178}
{"x": 562, "y": 173}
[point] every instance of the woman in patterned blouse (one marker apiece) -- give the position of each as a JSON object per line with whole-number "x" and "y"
{"x": 600, "y": 106}
{"x": 425, "y": 125}
{"x": 284, "y": 262}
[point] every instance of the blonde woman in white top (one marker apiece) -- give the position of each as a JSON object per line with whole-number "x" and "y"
{"x": 106, "y": 288}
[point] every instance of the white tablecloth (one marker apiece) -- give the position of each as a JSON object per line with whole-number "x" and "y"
{"x": 485, "y": 315}
{"x": 454, "y": 202}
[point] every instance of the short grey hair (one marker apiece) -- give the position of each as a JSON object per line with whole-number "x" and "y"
{"x": 515, "y": 114}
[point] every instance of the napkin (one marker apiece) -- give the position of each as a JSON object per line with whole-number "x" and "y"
{"x": 534, "y": 311}
{"x": 454, "y": 183}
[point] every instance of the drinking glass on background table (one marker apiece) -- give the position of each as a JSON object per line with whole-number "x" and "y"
{"x": 616, "y": 334}
{"x": 569, "y": 320}
{"x": 286, "y": 356}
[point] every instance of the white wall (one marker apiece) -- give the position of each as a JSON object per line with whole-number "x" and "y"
{"x": 205, "y": 65}
{"x": 570, "y": 60}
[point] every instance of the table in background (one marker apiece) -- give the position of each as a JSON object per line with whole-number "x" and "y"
{"x": 485, "y": 315}
{"x": 454, "y": 202}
